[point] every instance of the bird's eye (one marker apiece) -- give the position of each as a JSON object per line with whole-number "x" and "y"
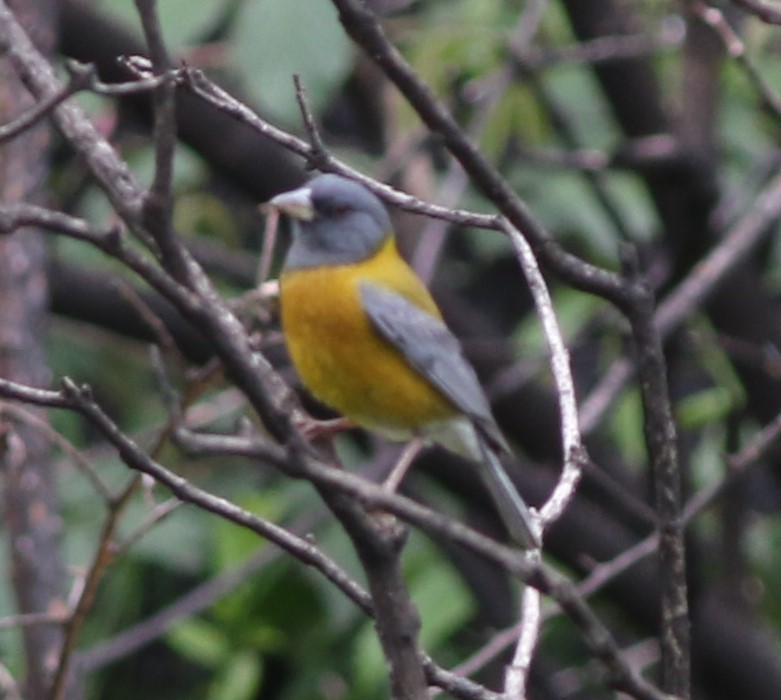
{"x": 339, "y": 210}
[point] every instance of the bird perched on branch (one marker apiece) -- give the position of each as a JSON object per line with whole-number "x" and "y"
{"x": 368, "y": 340}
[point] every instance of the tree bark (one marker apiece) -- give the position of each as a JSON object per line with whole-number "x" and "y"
{"x": 29, "y": 490}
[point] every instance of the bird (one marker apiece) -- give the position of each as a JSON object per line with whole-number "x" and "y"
{"x": 367, "y": 339}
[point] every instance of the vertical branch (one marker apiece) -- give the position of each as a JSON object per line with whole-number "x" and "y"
{"x": 661, "y": 439}
{"x": 28, "y": 481}
{"x": 158, "y": 202}
{"x": 378, "y": 539}
{"x": 516, "y": 680}
{"x": 572, "y": 449}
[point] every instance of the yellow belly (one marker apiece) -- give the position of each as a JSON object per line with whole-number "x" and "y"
{"x": 342, "y": 359}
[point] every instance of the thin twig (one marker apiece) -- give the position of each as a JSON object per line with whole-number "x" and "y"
{"x": 77, "y": 456}
{"x": 572, "y": 449}
{"x": 269, "y": 243}
{"x": 766, "y": 13}
{"x": 39, "y": 618}
{"x": 690, "y": 294}
{"x": 191, "y": 603}
{"x": 158, "y": 201}
{"x": 714, "y": 18}
{"x": 596, "y": 635}
{"x": 80, "y": 79}
{"x": 100, "y": 562}
{"x": 603, "y": 49}
{"x": 363, "y": 27}
{"x": 315, "y": 140}
{"x": 517, "y": 676}
{"x": 201, "y": 86}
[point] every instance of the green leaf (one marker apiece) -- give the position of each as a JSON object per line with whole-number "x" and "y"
{"x": 574, "y": 311}
{"x": 444, "y": 601}
{"x": 232, "y": 544}
{"x": 183, "y": 21}
{"x": 705, "y": 407}
{"x": 517, "y": 112}
{"x": 627, "y": 427}
{"x": 178, "y": 542}
{"x": 276, "y": 39}
{"x": 200, "y": 641}
{"x": 370, "y": 671}
{"x": 239, "y": 679}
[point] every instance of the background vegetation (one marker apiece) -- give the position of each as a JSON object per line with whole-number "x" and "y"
{"x": 640, "y": 138}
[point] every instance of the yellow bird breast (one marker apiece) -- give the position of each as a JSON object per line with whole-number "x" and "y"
{"x": 343, "y": 360}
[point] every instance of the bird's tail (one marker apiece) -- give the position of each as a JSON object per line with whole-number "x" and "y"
{"x": 515, "y": 513}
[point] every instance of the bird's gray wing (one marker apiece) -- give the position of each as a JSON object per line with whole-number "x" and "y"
{"x": 430, "y": 347}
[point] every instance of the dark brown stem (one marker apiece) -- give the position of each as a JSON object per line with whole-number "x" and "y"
{"x": 379, "y": 539}
{"x": 661, "y": 439}
{"x": 158, "y": 202}
{"x": 362, "y": 26}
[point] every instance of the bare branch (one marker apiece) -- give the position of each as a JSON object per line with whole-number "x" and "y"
{"x": 516, "y": 679}
{"x": 113, "y": 174}
{"x": 572, "y": 446}
{"x": 191, "y": 603}
{"x": 603, "y": 49}
{"x": 688, "y": 296}
{"x": 661, "y": 439}
{"x": 158, "y": 201}
{"x": 76, "y": 456}
{"x": 80, "y": 79}
{"x": 100, "y": 562}
{"x": 363, "y": 28}
{"x": 325, "y": 476}
{"x": 763, "y": 11}
{"x": 200, "y": 85}
{"x": 315, "y": 140}
{"x": 715, "y": 19}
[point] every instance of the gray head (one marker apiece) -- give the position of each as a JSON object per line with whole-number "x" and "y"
{"x": 335, "y": 222}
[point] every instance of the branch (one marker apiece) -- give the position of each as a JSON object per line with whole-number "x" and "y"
{"x": 158, "y": 202}
{"x": 362, "y": 26}
{"x": 79, "y": 399}
{"x": 572, "y": 449}
{"x": 191, "y": 603}
{"x": 735, "y": 246}
{"x": 100, "y": 562}
{"x": 536, "y": 574}
{"x": 32, "y": 521}
{"x": 80, "y": 79}
{"x": 768, "y": 14}
{"x": 661, "y": 439}
{"x": 572, "y": 445}
{"x": 714, "y": 18}
{"x": 208, "y": 91}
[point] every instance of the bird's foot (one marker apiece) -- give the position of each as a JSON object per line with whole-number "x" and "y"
{"x": 313, "y": 430}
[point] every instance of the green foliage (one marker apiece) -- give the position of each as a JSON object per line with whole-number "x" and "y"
{"x": 706, "y": 406}
{"x": 267, "y": 31}
{"x": 626, "y": 429}
{"x": 438, "y": 591}
{"x": 517, "y": 112}
{"x": 725, "y": 394}
{"x": 285, "y": 633}
{"x": 574, "y": 312}
{"x": 183, "y": 21}
{"x": 763, "y": 540}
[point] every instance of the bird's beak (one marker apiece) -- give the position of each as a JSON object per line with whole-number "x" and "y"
{"x": 296, "y": 203}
